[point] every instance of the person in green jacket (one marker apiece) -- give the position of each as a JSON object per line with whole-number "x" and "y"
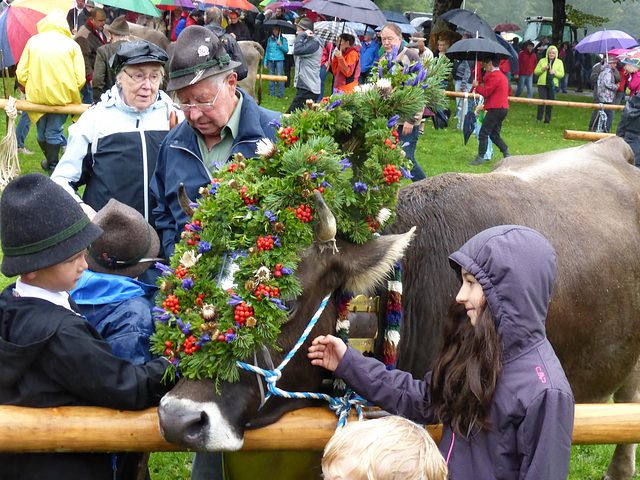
{"x": 549, "y": 71}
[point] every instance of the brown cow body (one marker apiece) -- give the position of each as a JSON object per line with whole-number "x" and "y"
{"x": 585, "y": 200}
{"x": 253, "y": 54}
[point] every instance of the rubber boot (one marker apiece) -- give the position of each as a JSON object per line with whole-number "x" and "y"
{"x": 43, "y": 147}
{"x": 53, "y": 153}
{"x": 506, "y": 154}
{"x": 479, "y": 160}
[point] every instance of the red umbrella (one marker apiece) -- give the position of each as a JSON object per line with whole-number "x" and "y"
{"x": 506, "y": 27}
{"x": 18, "y": 24}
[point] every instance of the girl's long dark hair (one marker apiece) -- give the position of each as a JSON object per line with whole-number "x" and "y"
{"x": 466, "y": 372}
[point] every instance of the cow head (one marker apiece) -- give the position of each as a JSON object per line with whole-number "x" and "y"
{"x": 196, "y": 415}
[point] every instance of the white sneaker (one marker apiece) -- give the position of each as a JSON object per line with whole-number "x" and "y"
{"x": 25, "y": 151}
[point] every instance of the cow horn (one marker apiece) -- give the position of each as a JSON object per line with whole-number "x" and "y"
{"x": 326, "y": 229}
{"x": 185, "y": 201}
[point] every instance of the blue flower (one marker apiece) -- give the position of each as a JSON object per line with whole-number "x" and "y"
{"x": 253, "y": 207}
{"x": 326, "y": 184}
{"x": 405, "y": 70}
{"x": 204, "y": 247}
{"x": 203, "y": 339}
{"x": 415, "y": 67}
{"x": 406, "y": 173}
{"x": 334, "y": 104}
{"x": 314, "y": 175}
{"x": 286, "y": 271}
{"x": 187, "y": 284}
{"x": 235, "y": 300}
{"x": 426, "y": 85}
{"x": 405, "y": 144}
{"x": 380, "y": 70}
{"x": 217, "y": 165}
{"x": 394, "y": 53}
{"x": 166, "y": 270}
{"x": 359, "y": 187}
{"x": 278, "y": 303}
{"x": 275, "y": 124}
{"x": 213, "y": 188}
{"x": 345, "y": 164}
{"x": 230, "y": 337}
{"x": 186, "y": 328}
{"x": 161, "y": 315}
{"x": 392, "y": 121}
{"x": 276, "y": 241}
{"x": 194, "y": 228}
{"x": 271, "y": 216}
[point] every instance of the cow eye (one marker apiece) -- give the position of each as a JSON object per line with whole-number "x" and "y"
{"x": 292, "y": 306}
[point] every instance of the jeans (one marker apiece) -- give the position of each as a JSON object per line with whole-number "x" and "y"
{"x": 491, "y": 130}
{"x": 489, "y": 153}
{"x": 22, "y": 129}
{"x": 564, "y": 83}
{"x": 50, "y": 128}
{"x": 364, "y": 77}
{"x": 86, "y": 93}
{"x": 525, "y": 80}
{"x": 410, "y": 151}
{"x": 276, "y": 66}
{"x": 323, "y": 78}
{"x": 545, "y": 93}
{"x": 461, "y": 103}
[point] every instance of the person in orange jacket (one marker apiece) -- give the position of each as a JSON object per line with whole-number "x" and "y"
{"x": 495, "y": 90}
{"x": 346, "y": 64}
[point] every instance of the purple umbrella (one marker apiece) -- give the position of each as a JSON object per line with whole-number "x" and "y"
{"x": 364, "y": 11}
{"x": 601, "y": 42}
{"x": 293, "y": 5}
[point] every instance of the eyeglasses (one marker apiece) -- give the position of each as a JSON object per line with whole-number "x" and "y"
{"x": 203, "y": 107}
{"x": 139, "y": 78}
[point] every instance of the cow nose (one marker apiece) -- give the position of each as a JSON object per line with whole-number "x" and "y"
{"x": 188, "y": 428}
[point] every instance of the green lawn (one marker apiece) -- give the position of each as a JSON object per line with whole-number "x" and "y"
{"x": 438, "y": 152}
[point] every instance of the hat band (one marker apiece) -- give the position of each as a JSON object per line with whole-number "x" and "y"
{"x": 111, "y": 262}
{"x": 221, "y": 60}
{"x": 48, "y": 242}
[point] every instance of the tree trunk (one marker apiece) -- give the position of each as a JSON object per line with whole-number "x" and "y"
{"x": 559, "y": 18}
{"x": 440, "y": 7}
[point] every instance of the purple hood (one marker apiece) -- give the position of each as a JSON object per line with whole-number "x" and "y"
{"x": 516, "y": 267}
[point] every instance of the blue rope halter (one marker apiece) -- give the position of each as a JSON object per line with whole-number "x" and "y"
{"x": 341, "y": 405}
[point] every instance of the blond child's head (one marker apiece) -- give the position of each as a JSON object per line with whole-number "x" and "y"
{"x": 388, "y": 448}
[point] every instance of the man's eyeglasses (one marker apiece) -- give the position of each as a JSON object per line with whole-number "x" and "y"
{"x": 139, "y": 78}
{"x": 203, "y": 107}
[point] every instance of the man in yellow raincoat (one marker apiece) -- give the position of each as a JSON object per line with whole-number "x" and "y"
{"x": 51, "y": 69}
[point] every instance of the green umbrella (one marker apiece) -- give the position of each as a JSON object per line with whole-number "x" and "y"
{"x": 140, "y": 6}
{"x": 264, "y": 3}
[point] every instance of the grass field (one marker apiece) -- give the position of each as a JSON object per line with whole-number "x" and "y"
{"x": 438, "y": 152}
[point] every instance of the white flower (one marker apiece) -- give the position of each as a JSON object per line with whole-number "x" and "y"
{"x": 203, "y": 51}
{"x": 189, "y": 259}
{"x": 383, "y": 83}
{"x": 383, "y": 215}
{"x": 263, "y": 274}
{"x": 265, "y": 148}
{"x": 364, "y": 88}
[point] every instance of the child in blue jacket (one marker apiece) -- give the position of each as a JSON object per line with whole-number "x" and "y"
{"x": 277, "y": 48}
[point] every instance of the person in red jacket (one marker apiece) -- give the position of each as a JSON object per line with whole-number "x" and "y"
{"x": 495, "y": 90}
{"x": 527, "y": 62}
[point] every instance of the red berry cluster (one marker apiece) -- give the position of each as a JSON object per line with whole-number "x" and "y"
{"x": 303, "y": 212}
{"x": 247, "y": 201}
{"x": 194, "y": 240}
{"x": 312, "y": 158}
{"x": 242, "y": 312}
{"x": 171, "y": 304}
{"x": 319, "y": 189}
{"x": 199, "y": 299}
{"x": 167, "y": 350}
{"x": 391, "y": 174}
{"x": 265, "y": 289}
{"x": 222, "y": 337}
{"x": 372, "y": 225}
{"x": 288, "y": 136}
{"x": 190, "y": 345}
{"x": 393, "y": 144}
{"x": 278, "y": 272}
{"x": 232, "y": 167}
{"x": 181, "y": 272}
{"x": 265, "y": 243}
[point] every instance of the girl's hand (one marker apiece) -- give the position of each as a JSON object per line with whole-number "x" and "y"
{"x": 327, "y": 351}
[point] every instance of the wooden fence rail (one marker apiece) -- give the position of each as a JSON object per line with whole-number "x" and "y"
{"x": 95, "y": 429}
{"x": 537, "y": 101}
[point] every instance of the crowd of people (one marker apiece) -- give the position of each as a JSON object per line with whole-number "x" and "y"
{"x": 149, "y": 133}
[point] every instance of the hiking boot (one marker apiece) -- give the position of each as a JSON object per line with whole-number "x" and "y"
{"x": 24, "y": 151}
{"x": 506, "y": 154}
{"x": 477, "y": 161}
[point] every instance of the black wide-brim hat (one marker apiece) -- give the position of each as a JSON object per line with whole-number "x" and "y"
{"x": 140, "y": 51}
{"x": 32, "y": 237}
{"x": 198, "y": 54}
{"x": 129, "y": 245}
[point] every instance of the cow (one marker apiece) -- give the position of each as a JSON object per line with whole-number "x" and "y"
{"x": 253, "y": 54}
{"x": 141, "y": 32}
{"x": 585, "y": 200}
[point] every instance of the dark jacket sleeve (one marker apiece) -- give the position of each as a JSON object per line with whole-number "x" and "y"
{"x": 99, "y": 74}
{"x": 84, "y": 364}
{"x": 544, "y": 436}
{"x": 392, "y": 390}
{"x": 165, "y": 223}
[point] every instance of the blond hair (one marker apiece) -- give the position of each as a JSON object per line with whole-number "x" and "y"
{"x": 388, "y": 448}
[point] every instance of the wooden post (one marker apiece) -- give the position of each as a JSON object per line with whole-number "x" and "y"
{"x": 588, "y": 136}
{"x": 275, "y": 78}
{"x": 95, "y": 429}
{"x": 537, "y": 101}
{"x": 72, "y": 109}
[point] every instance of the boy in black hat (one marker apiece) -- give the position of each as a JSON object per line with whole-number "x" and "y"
{"x": 49, "y": 355}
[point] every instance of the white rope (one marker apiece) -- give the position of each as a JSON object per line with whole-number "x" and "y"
{"x": 9, "y": 164}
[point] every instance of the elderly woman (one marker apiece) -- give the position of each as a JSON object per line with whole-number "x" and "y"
{"x": 114, "y": 145}
{"x": 391, "y": 37}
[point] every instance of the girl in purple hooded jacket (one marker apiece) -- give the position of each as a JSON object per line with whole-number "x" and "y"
{"x": 497, "y": 387}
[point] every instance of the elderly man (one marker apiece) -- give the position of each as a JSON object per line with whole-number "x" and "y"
{"x": 236, "y": 28}
{"x": 91, "y": 36}
{"x": 222, "y": 120}
{"x": 213, "y": 21}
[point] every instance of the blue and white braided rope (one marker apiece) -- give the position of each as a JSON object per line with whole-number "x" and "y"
{"x": 342, "y": 405}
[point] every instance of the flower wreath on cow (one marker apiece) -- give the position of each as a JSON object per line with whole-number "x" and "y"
{"x": 256, "y": 217}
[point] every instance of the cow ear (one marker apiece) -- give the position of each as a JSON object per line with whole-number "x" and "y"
{"x": 366, "y": 266}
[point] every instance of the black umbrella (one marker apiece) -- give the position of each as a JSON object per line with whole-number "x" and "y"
{"x": 469, "y": 126}
{"x": 476, "y": 49}
{"x": 395, "y": 17}
{"x": 283, "y": 24}
{"x": 363, "y": 11}
{"x": 469, "y": 21}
